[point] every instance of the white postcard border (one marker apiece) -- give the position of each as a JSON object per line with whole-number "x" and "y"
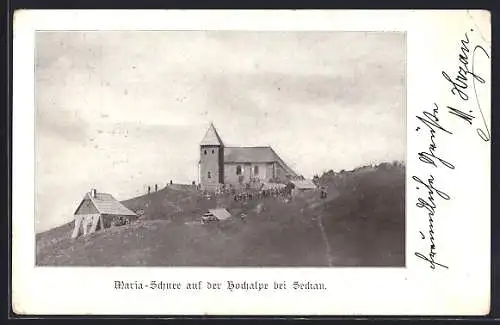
{"x": 464, "y": 245}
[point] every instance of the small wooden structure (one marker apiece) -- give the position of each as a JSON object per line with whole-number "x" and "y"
{"x": 98, "y": 211}
{"x": 304, "y": 185}
{"x": 215, "y": 215}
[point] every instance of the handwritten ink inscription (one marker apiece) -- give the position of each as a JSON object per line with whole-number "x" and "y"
{"x": 463, "y": 85}
{"x": 429, "y": 204}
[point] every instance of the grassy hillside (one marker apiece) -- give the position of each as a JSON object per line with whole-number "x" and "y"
{"x": 361, "y": 223}
{"x": 366, "y": 222}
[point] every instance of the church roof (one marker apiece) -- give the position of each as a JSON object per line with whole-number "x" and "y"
{"x": 249, "y": 154}
{"x": 211, "y": 137}
{"x": 254, "y": 155}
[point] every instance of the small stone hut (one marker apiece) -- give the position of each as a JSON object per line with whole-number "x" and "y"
{"x": 98, "y": 211}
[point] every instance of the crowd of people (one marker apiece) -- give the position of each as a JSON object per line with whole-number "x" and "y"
{"x": 252, "y": 193}
{"x": 275, "y": 192}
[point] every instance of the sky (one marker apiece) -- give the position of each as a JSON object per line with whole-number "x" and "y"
{"x": 121, "y": 110}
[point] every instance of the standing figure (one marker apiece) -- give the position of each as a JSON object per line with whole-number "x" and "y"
{"x": 324, "y": 193}
{"x": 289, "y": 190}
{"x": 149, "y": 189}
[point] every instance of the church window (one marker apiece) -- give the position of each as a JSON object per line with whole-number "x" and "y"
{"x": 256, "y": 170}
{"x": 205, "y": 152}
{"x": 238, "y": 170}
{"x": 213, "y": 151}
{"x": 209, "y": 175}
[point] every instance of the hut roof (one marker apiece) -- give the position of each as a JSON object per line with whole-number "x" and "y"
{"x": 106, "y": 204}
{"x": 220, "y": 214}
{"x": 305, "y": 184}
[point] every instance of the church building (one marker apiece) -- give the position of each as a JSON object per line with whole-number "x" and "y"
{"x": 219, "y": 164}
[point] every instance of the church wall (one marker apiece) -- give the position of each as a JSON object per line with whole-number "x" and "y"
{"x": 209, "y": 163}
{"x": 281, "y": 174}
{"x": 262, "y": 174}
{"x": 247, "y": 171}
{"x": 270, "y": 170}
{"x": 221, "y": 165}
{"x": 230, "y": 176}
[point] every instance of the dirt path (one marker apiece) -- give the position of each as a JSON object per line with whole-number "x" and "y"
{"x": 325, "y": 241}
{"x": 319, "y": 218}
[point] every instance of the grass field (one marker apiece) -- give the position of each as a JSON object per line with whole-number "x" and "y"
{"x": 362, "y": 223}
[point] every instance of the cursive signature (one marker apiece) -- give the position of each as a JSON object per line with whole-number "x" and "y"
{"x": 429, "y": 204}
{"x": 483, "y": 134}
{"x": 460, "y": 84}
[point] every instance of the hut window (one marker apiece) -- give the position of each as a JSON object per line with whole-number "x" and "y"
{"x": 238, "y": 170}
{"x": 256, "y": 170}
{"x": 209, "y": 175}
{"x": 205, "y": 152}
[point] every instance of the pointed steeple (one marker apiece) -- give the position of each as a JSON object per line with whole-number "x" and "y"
{"x": 211, "y": 138}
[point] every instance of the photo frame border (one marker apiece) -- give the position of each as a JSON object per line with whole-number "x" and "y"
{"x": 495, "y": 180}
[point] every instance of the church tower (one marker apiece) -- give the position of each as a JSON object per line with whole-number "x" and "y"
{"x": 211, "y": 159}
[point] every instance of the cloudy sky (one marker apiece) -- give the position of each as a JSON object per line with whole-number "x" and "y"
{"x": 118, "y": 111}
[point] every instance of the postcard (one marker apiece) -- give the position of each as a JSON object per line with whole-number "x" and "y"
{"x": 310, "y": 162}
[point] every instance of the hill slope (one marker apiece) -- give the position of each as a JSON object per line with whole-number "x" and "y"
{"x": 361, "y": 223}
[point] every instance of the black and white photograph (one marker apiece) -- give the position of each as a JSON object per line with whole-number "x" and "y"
{"x": 222, "y": 148}
{"x": 251, "y": 162}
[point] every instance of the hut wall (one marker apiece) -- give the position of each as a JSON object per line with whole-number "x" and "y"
{"x": 107, "y": 219}
{"x": 86, "y": 207}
